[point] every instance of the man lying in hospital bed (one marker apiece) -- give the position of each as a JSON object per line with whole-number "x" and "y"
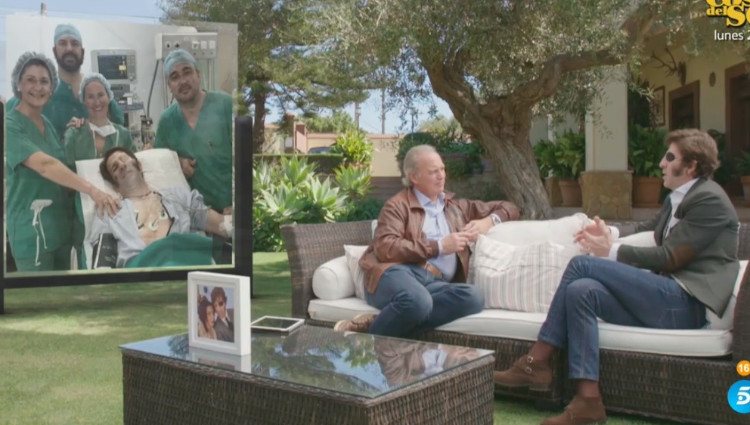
{"x": 161, "y": 220}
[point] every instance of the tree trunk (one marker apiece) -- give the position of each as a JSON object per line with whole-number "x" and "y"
{"x": 502, "y": 127}
{"x": 259, "y": 124}
{"x": 507, "y": 145}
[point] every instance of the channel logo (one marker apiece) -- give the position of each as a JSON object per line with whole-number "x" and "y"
{"x": 738, "y": 396}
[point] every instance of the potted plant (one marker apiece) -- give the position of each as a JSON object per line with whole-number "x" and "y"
{"x": 743, "y": 168}
{"x": 645, "y": 151}
{"x": 570, "y": 153}
{"x": 544, "y": 152}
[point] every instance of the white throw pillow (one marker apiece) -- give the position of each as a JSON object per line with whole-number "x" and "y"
{"x": 727, "y": 320}
{"x": 527, "y": 232}
{"x": 333, "y": 280}
{"x": 519, "y": 278}
{"x": 353, "y": 254}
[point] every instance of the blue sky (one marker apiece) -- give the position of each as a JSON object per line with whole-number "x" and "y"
{"x": 148, "y": 11}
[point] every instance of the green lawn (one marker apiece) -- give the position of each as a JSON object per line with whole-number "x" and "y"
{"x": 59, "y": 357}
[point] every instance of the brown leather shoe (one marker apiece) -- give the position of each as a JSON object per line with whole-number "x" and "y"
{"x": 580, "y": 411}
{"x": 360, "y": 323}
{"x": 526, "y": 372}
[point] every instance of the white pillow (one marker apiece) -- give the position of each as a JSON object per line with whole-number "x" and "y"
{"x": 353, "y": 254}
{"x": 519, "y": 278}
{"x": 526, "y": 232}
{"x": 726, "y": 321}
{"x": 332, "y": 280}
{"x": 642, "y": 239}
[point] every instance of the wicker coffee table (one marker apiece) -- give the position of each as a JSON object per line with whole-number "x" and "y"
{"x": 311, "y": 376}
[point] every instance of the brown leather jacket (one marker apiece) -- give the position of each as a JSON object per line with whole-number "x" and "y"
{"x": 399, "y": 238}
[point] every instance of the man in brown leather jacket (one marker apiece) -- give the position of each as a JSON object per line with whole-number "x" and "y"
{"x": 420, "y": 247}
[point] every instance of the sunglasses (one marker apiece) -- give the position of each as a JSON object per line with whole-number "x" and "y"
{"x": 220, "y": 303}
{"x": 669, "y": 157}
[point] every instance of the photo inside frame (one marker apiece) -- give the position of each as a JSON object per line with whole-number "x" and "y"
{"x": 215, "y": 313}
{"x": 48, "y": 228}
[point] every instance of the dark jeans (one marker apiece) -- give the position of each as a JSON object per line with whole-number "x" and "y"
{"x": 411, "y": 299}
{"x": 617, "y": 293}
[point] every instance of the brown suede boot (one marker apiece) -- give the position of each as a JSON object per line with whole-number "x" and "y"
{"x": 526, "y": 372}
{"x": 580, "y": 411}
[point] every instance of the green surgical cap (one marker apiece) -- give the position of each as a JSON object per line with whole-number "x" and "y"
{"x": 67, "y": 30}
{"x": 31, "y": 58}
{"x": 95, "y": 76}
{"x": 177, "y": 56}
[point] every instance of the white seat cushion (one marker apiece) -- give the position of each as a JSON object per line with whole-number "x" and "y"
{"x": 525, "y": 326}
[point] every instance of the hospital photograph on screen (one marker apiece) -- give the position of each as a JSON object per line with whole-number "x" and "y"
{"x": 118, "y": 145}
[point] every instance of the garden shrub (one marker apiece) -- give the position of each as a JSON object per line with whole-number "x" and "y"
{"x": 289, "y": 191}
{"x": 354, "y": 147}
{"x": 326, "y": 163}
{"x": 461, "y": 158}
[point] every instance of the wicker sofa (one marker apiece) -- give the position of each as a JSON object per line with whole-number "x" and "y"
{"x": 680, "y": 388}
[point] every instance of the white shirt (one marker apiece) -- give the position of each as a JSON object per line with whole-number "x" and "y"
{"x": 435, "y": 228}
{"x": 675, "y": 198}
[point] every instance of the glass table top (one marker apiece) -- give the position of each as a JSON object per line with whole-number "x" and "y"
{"x": 358, "y": 364}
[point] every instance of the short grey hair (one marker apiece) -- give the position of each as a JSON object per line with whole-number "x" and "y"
{"x": 410, "y": 162}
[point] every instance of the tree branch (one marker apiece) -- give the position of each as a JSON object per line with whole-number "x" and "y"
{"x": 637, "y": 25}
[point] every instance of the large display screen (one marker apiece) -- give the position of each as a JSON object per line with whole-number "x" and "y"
{"x": 164, "y": 199}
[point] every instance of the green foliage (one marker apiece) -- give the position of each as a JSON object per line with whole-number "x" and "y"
{"x": 743, "y": 164}
{"x": 325, "y": 163}
{"x": 639, "y": 104}
{"x": 353, "y": 181}
{"x": 413, "y": 139}
{"x": 570, "y": 155}
{"x": 727, "y": 167}
{"x": 461, "y": 158}
{"x": 645, "y": 150}
{"x": 338, "y": 122}
{"x": 366, "y": 209}
{"x": 355, "y": 148}
{"x": 289, "y": 192}
{"x": 544, "y": 152}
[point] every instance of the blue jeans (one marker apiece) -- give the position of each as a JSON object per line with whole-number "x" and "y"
{"x": 411, "y": 299}
{"x": 617, "y": 293}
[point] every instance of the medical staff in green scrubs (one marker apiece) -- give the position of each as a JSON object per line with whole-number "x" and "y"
{"x": 39, "y": 209}
{"x": 199, "y": 128}
{"x": 65, "y": 103}
{"x": 97, "y": 134}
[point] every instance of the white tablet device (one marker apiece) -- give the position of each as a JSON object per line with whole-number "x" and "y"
{"x": 276, "y": 324}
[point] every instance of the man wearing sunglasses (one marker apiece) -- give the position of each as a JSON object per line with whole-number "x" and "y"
{"x": 693, "y": 266}
{"x": 223, "y": 325}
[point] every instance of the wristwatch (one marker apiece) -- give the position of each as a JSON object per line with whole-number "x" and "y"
{"x": 495, "y": 219}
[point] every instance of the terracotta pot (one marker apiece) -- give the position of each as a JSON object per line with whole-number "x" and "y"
{"x": 746, "y": 188}
{"x": 570, "y": 191}
{"x": 646, "y": 191}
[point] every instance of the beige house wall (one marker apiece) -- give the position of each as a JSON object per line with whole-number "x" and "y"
{"x": 712, "y": 98}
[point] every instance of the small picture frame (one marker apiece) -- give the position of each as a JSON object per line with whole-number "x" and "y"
{"x": 657, "y": 106}
{"x": 219, "y": 312}
{"x": 277, "y": 324}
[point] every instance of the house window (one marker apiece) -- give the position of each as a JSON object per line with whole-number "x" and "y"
{"x": 684, "y": 109}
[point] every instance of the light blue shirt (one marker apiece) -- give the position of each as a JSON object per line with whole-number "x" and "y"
{"x": 435, "y": 228}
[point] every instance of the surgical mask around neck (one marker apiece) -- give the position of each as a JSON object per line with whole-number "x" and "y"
{"x": 104, "y": 130}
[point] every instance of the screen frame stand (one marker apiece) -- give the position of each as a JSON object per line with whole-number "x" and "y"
{"x": 242, "y": 244}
